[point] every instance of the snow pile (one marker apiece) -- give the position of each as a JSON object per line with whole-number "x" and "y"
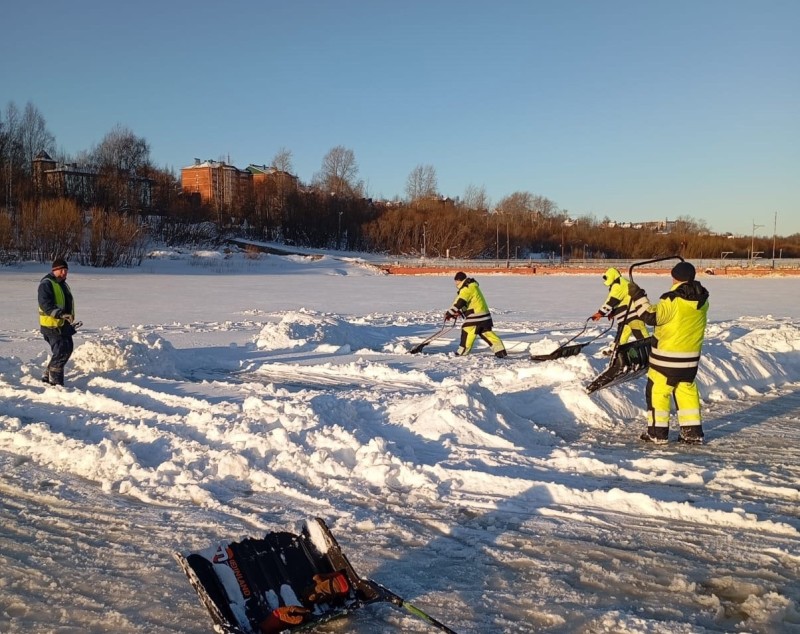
{"x": 324, "y": 332}
{"x": 140, "y": 353}
{"x": 455, "y": 480}
{"x": 739, "y": 361}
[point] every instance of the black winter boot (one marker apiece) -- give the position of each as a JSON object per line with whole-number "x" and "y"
{"x": 656, "y": 435}
{"x": 56, "y": 376}
{"x": 692, "y": 434}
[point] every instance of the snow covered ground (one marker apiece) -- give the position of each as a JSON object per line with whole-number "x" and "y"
{"x": 213, "y": 398}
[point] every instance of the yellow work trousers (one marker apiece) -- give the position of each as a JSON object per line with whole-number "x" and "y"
{"x": 636, "y": 328}
{"x": 468, "y": 335}
{"x": 659, "y": 393}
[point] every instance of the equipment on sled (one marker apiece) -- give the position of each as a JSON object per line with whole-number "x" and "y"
{"x": 569, "y": 349}
{"x": 283, "y": 582}
{"x": 446, "y": 327}
{"x": 629, "y": 360}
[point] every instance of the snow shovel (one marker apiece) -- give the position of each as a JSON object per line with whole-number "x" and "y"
{"x": 569, "y": 349}
{"x": 629, "y": 360}
{"x": 284, "y": 582}
{"x": 444, "y": 329}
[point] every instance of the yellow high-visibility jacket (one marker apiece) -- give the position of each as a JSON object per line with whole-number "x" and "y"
{"x": 55, "y": 298}
{"x": 617, "y": 301}
{"x": 679, "y": 318}
{"x": 471, "y": 304}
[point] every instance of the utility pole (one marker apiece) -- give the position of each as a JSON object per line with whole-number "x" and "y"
{"x": 508, "y": 248}
{"x": 753, "y": 241}
{"x": 774, "y": 234}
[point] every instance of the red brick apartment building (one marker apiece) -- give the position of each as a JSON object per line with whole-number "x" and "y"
{"x": 222, "y": 185}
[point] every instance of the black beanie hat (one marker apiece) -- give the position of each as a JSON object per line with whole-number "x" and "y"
{"x": 460, "y": 276}
{"x": 683, "y": 272}
{"x": 60, "y": 263}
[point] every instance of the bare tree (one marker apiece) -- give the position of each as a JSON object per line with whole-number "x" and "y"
{"x": 544, "y": 207}
{"x": 50, "y": 228}
{"x": 476, "y": 198}
{"x": 517, "y": 203}
{"x": 34, "y": 135}
{"x": 121, "y": 158}
{"x": 526, "y": 203}
{"x": 113, "y": 240}
{"x": 282, "y": 160}
{"x": 421, "y": 183}
{"x": 122, "y": 151}
{"x": 11, "y": 159}
{"x": 338, "y": 173}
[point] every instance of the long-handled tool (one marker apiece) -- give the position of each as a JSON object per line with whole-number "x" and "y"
{"x": 400, "y": 602}
{"x": 446, "y": 327}
{"x": 569, "y": 349}
{"x": 629, "y": 360}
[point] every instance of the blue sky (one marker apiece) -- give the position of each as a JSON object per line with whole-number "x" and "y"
{"x": 623, "y": 109}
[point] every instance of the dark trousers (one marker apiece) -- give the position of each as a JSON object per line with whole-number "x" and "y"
{"x": 61, "y": 346}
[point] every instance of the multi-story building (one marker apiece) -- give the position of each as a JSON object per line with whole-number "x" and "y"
{"x": 215, "y": 182}
{"x": 221, "y": 185}
{"x": 83, "y": 183}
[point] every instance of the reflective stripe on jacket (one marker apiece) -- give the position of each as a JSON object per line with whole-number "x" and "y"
{"x": 471, "y": 304}
{"x": 55, "y": 298}
{"x": 679, "y": 318}
{"x": 616, "y": 303}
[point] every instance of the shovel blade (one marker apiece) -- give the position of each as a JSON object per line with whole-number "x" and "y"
{"x": 559, "y": 353}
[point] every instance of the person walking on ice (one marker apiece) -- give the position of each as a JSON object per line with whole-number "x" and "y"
{"x": 471, "y": 304}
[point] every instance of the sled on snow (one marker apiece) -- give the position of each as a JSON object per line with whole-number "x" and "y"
{"x": 628, "y": 360}
{"x": 569, "y": 349}
{"x": 283, "y": 582}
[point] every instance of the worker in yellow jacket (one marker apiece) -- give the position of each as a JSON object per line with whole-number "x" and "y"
{"x": 471, "y": 305}
{"x": 679, "y": 318}
{"x": 57, "y": 319}
{"x": 616, "y": 307}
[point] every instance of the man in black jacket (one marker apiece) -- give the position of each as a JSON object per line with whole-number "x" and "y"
{"x": 56, "y": 319}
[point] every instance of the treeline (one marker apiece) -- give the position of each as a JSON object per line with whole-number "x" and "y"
{"x": 109, "y": 218}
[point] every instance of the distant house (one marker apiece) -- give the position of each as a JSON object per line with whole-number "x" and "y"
{"x": 82, "y": 182}
{"x": 215, "y": 183}
{"x": 264, "y": 174}
{"x": 220, "y": 185}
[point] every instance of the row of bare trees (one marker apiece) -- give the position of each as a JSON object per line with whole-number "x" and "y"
{"x": 129, "y": 198}
{"x": 58, "y": 227}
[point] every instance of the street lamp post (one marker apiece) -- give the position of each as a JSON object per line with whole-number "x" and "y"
{"x": 424, "y": 238}
{"x": 339, "y": 232}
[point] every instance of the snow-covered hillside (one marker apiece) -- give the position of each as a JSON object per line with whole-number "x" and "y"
{"x": 214, "y": 397}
